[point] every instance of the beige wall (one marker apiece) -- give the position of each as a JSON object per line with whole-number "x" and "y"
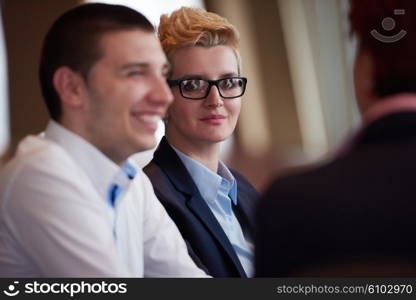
{"x": 25, "y": 24}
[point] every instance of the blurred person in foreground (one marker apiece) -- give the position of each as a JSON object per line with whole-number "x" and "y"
{"x": 211, "y": 204}
{"x": 356, "y": 216}
{"x": 71, "y": 204}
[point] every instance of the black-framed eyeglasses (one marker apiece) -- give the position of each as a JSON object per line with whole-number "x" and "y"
{"x": 197, "y": 89}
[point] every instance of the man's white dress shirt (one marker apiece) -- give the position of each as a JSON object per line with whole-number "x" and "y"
{"x": 56, "y": 221}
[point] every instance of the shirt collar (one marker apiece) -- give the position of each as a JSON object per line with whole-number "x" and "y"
{"x": 207, "y": 181}
{"x": 226, "y": 174}
{"x": 100, "y": 169}
{"x": 396, "y": 103}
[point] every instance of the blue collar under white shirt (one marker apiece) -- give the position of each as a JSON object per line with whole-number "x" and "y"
{"x": 219, "y": 190}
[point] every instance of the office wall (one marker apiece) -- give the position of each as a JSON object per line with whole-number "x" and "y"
{"x": 25, "y": 25}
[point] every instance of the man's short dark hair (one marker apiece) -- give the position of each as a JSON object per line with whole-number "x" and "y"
{"x": 74, "y": 41}
{"x": 394, "y": 62}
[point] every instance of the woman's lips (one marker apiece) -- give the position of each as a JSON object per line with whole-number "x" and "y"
{"x": 213, "y": 119}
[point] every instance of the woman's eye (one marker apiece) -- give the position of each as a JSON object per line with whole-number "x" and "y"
{"x": 229, "y": 83}
{"x": 192, "y": 85}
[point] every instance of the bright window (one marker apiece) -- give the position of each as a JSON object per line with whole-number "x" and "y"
{"x": 154, "y": 8}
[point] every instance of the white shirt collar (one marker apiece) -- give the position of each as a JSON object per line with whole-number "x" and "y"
{"x": 99, "y": 168}
{"x": 207, "y": 181}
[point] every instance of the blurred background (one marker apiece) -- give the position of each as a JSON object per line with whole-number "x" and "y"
{"x": 297, "y": 55}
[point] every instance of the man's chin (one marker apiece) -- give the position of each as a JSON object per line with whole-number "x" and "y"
{"x": 146, "y": 144}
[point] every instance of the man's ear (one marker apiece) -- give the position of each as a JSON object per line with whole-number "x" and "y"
{"x": 70, "y": 86}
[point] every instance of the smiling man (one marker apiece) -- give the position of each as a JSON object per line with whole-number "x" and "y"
{"x": 72, "y": 205}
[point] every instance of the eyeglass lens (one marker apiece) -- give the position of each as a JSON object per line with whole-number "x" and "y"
{"x": 199, "y": 88}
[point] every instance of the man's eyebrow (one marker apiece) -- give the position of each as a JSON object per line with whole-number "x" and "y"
{"x": 134, "y": 65}
{"x": 165, "y": 68}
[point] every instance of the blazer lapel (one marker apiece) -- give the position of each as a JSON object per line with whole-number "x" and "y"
{"x": 198, "y": 206}
{"x": 244, "y": 212}
{"x": 168, "y": 160}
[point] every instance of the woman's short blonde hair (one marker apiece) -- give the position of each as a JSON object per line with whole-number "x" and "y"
{"x": 187, "y": 27}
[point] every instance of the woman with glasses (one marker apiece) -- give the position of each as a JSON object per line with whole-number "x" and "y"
{"x": 211, "y": 204}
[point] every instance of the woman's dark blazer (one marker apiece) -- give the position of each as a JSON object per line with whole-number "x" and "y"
{"x": 207, "y": 243}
